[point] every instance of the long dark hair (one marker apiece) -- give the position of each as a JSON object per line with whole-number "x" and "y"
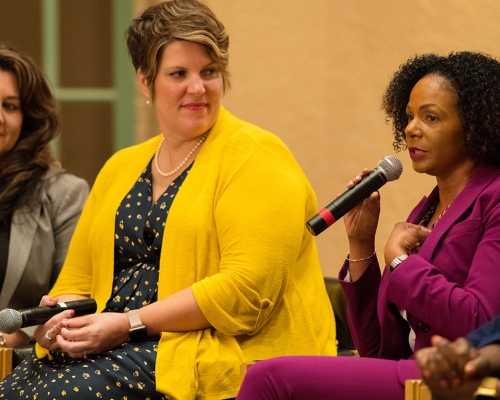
{"x": 22, "y": 167}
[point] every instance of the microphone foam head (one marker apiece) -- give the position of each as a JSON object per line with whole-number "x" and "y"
{"x": 391, "y": 167}
{"x": 10, "y": 320}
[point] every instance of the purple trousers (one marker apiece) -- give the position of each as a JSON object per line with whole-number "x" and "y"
{"x": 321, "y": 377}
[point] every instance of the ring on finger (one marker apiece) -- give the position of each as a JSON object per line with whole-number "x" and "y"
{"x": 46, "y": 336}
{"x": 84, "y": 353}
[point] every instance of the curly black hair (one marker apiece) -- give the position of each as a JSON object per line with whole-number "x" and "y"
{"x": 476, "y": 78}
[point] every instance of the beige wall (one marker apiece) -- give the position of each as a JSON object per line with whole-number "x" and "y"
{"x": 313, "y": 72}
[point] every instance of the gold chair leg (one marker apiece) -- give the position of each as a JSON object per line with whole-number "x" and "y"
{"x": 416, "y": 389}
{"x": 5, "y": 361}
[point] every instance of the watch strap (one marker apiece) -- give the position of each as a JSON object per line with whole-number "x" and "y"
{"x": 137, "y": 332}
{"x": 134, "y": 319}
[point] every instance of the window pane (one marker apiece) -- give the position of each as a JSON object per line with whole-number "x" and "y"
{"x": 86, "y": 141}
{"x": 20, "y": 26}
{"x": 86, "y": 43}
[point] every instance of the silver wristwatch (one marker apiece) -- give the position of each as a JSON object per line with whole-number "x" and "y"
{"x": 398, "y": 260}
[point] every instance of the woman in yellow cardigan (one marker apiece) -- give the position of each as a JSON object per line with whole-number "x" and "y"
{"x": 196, "y": 266}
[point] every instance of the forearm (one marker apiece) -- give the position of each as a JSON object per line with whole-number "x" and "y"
{"x": 70, "y": 297}
{"x": 69, "y": 196}
{"x": 18, "y": 338}
{"x": 360, "y": 255}
{"x": 177, "y": 313}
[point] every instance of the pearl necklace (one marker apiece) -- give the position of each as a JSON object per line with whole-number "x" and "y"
{"x": 167, "y": 174}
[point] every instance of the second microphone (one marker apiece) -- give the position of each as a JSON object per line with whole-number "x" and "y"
{"x": 388, "y": 169}
{"x": 12, "y": 320}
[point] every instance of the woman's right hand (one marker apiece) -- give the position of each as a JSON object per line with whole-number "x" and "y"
{"x": 361, "y": 225}
{"x": 361, "y": 222}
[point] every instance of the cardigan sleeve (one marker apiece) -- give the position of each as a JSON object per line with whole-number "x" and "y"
{"x": 67, "y": 195}
{"x": 361, "y": 298}
{"x": 76, "y": 274}
{"x": 260, "y": 213}
{"x": 88, "y": 268}
{"x": 85, "y": 265}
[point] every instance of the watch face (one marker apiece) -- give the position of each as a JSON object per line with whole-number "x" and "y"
{"x": 138, "y": 335}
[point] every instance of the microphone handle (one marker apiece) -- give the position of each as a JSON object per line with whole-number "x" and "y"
{"x": 354, "y": 196}
{"x": 40, "y": 315}
{"x": 346, "y": 202}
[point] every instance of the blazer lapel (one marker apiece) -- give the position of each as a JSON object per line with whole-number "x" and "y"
{"x": 481, "y": 178}
{"x": 22, "y": 233}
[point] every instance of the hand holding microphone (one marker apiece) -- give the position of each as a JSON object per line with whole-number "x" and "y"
{"x": 388, "y": 169}
{"x": 12, "y": 320}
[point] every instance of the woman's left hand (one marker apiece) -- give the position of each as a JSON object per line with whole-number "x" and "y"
{"x": 92, "y": 334}
{"x": 405, "y": 238}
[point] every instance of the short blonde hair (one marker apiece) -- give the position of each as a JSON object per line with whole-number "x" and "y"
{"x": 164, "y": 23}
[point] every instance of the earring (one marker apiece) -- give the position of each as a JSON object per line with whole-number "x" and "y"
{"x": 148, "y": 102}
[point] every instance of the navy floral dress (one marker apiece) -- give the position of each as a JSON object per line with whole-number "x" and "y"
{"x": 127, "y": 372}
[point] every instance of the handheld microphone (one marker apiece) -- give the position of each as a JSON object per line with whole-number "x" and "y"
{"x": 388, "y": 169}
{"x": 12, "y": 320}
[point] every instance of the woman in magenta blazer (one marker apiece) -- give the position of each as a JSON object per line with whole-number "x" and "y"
{"x": 441, "y": 266}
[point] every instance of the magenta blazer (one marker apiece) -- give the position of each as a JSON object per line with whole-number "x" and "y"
{"x": 449, "y": 288}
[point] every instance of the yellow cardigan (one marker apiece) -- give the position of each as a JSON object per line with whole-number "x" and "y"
{"x": 236, "y": 234}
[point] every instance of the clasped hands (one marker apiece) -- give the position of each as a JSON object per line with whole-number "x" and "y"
{"x": 453, "y": 370}
{"x": 81, "y": 336}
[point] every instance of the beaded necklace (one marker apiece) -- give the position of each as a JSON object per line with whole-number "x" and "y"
{"x": 186, "y": 159}
{"x": 428, "y": 215}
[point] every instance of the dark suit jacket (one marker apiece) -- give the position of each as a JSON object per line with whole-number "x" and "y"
{"x": 39, "y": 240}
{"x": 486, "y": 334}
{"x": 449, "y": 288}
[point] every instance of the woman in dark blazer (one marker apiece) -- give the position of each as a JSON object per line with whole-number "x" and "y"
{"x": 441, "y": 266}
{"x": 39, "y": 203}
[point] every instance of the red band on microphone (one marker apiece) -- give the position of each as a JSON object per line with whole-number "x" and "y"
{"x": 327, "y": 216}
